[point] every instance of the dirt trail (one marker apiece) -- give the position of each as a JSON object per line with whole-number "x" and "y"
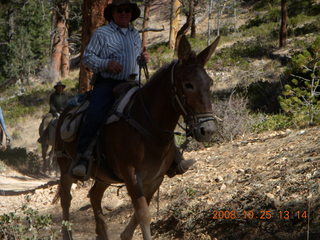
{"x": 271, "y": 170}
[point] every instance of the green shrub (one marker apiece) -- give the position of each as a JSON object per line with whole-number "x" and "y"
{"x": 272, "y": 16}
{"x": 307, "y": 28}
{"x": 262, "y": 96}
{"x": 28, "y": 103}
{"x": 26, "y": 223}
{"x": 308, "y": 7}
{"x": 273, "y": 122}
{"x": 300, "y": 97}
{"x": 266, "y": 32}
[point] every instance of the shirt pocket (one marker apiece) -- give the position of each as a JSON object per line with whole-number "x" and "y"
{"x": 114, "y": 51}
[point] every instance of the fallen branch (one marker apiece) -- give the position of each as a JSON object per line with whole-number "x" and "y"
{"x": 14, "y": 193}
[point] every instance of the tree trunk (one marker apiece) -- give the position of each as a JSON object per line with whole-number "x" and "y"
{"x": 174, "y": 22}
{"x": 221, "y": 9}
{"x": 209, "y": 21}
{"x": 92, "y": 19}
{"x": 235, "y": 16}
{"x": 283, "y": 27}
{"x": 193, "y": 26}
{"x": 60, "y": 37}
{"x": 65, "y": 57}
{"x": 146, "y": 18}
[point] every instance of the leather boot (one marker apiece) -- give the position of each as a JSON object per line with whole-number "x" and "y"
{"x": 80, "y": 169}
{"x": 179, "y": 165}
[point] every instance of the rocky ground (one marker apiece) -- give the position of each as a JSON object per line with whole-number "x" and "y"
{"x": 263, "y": 186}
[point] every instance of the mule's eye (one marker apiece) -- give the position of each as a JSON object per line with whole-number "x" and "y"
{"x": 188, "y": 86}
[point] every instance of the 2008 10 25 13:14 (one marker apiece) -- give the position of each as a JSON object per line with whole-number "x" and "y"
{"x": 261, "y": 214}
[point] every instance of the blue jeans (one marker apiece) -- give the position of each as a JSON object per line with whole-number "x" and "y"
{"x": 3, "y": 124}
{"x": 101, "y": 101}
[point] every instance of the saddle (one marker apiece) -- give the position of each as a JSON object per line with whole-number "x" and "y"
{"x": 123, "y": 94}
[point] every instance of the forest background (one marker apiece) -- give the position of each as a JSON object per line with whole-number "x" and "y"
{"x": 266, "y": 70}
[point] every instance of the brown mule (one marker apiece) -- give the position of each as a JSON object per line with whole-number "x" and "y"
{"x": 47, "y": 131}
{"x": 139, "y": 148}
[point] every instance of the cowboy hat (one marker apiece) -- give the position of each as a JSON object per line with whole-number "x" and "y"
{"x": 116, "y": 3}
{"x": 59, "y": 84}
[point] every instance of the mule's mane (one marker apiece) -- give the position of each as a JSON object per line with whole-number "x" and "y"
{"x": 192, "y": 59}
{"x": 161, "y": 70}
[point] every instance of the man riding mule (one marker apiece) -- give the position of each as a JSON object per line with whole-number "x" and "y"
{"x": 112, "y": 54}
{"x": 58, "y": 101}
{"x": 139, "y": 148}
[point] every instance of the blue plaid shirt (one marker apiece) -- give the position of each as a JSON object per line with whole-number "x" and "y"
{"x": 109, "y": 43}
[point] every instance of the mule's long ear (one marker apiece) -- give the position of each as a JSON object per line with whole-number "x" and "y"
{"x": 184, "y": 48}
{"x": 205, "y": 55}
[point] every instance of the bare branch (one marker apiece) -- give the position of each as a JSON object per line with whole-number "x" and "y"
{"x": 152, "y": 29}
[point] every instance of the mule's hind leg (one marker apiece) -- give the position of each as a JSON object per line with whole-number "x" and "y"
{"x": 44, "y": 150}
{"x": 96, "y": 194}
{"x": 53, "y": 165}
{"x": 65, "y": 200}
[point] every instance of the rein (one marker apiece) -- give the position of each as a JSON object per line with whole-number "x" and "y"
{"x": 143, "y": 65}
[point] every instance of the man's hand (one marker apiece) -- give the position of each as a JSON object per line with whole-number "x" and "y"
{"x": 114, "y": 67}
{"x": 145, "y": 54}
{"x": 143, "y": 58}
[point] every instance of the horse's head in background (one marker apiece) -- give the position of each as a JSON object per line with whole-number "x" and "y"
{"x": 191, "y": 85}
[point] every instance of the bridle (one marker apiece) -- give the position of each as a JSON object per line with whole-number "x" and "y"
{"x": 193, "y": 120}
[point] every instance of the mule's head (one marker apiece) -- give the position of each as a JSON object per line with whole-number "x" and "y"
{"x": 191, "y": 85}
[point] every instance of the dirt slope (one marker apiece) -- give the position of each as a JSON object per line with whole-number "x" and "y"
{"x": 266, "y": 174}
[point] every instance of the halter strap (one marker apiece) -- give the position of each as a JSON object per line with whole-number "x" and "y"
{"x": 176, "y": 96}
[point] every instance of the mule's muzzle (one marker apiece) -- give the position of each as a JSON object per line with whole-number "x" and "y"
{"x": 202, "y": 127}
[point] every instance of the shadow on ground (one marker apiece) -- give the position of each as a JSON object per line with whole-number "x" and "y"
{"x": 22, "y": 161}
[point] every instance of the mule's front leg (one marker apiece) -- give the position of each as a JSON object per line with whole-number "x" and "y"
{"x": 127, "y": 234}
{"x": 96, "y": 194}
{"x": 140, "y": 203}
{"x": 149, "y": 191}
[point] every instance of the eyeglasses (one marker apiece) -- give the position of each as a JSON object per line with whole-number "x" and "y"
{"x": 124, "y": 10}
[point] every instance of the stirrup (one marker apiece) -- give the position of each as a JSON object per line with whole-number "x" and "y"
{"x": 81, "y": 167}
{"x": 184, "y": 165}
{"x": 180, "y": 168}
{"x": 79, "y": 170}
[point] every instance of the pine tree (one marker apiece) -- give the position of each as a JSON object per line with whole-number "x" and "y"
{"x": 26, "y": 44}
{"x": 301, "y": 96}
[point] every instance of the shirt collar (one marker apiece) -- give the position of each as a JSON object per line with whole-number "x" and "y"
{"x": 116, "y": 27}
